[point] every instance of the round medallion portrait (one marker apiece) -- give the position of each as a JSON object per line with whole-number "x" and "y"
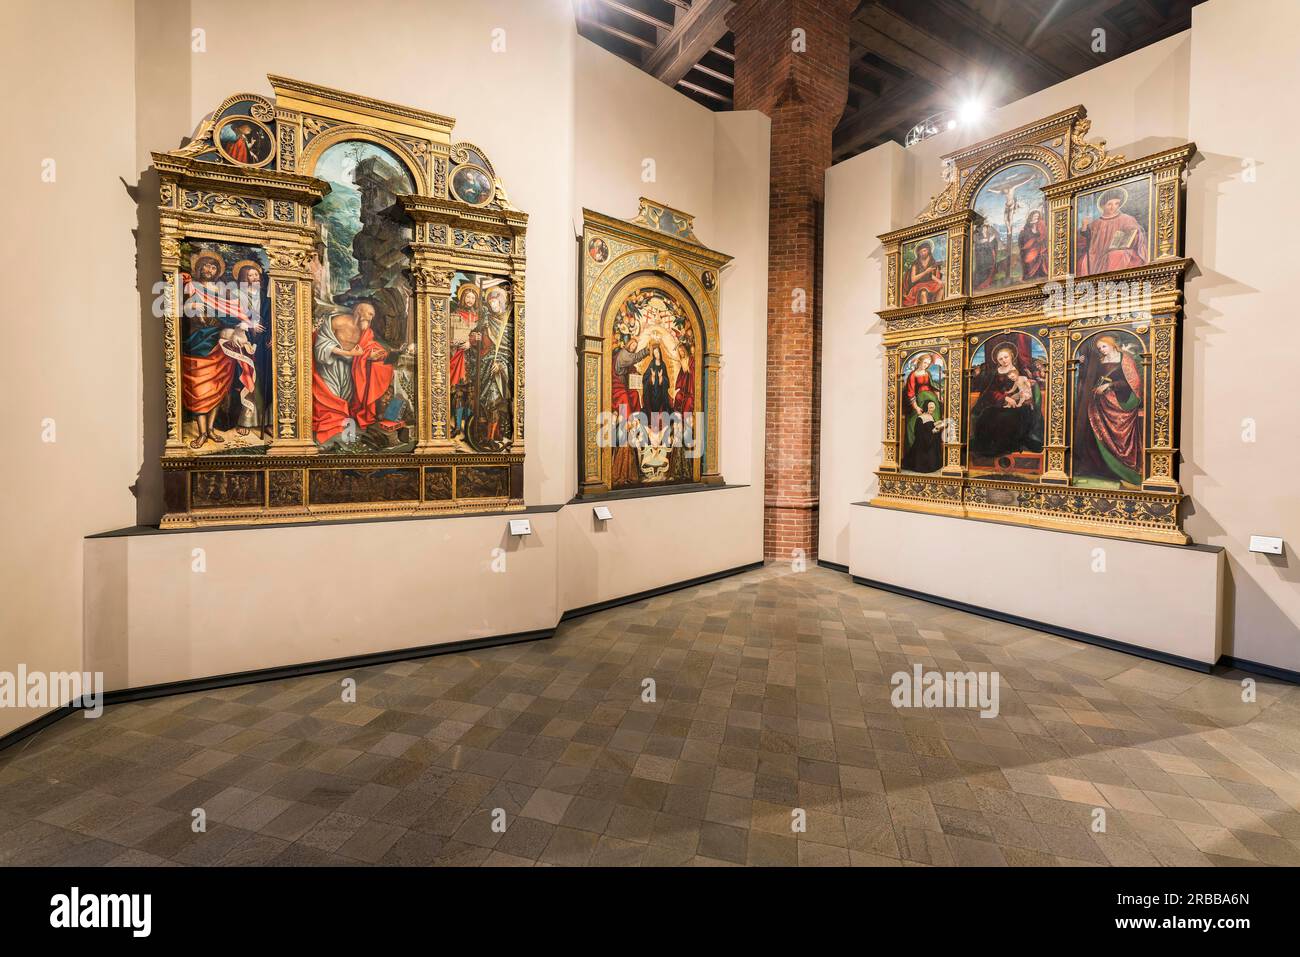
{"x": 710, "y": 280}
{"x": 472, "y": 185}
{"x": 246, "y": 141}
{"x": 598, "y": 250}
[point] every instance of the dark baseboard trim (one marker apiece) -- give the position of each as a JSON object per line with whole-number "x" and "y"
{"x": 24, "y": 731}
{"x": 1109, "y": 643}
{"x": 661, "y": 590}
{"x": 193, "y": 685}
{"x": 833, "y": 566}
{"x": 1256, "y": 668}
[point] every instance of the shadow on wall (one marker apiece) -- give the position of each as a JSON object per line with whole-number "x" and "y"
{"x": 1203, "y": 330}
{"x": 148, "y": 490}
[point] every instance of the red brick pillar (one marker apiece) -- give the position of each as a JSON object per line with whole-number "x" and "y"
{"x": 792, "y": 63}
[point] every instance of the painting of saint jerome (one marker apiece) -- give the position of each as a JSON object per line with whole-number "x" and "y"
{"x": 923, "y": 270}
{"x": 364, "y": 391}
{"x": 1113, "y": 227}
{"x": 1108, "y": 405}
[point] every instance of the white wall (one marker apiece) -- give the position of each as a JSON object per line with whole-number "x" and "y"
{"x": 69, "y": 265}
{"x": 1208, "y": 85}
{"x": 566, "y": 126}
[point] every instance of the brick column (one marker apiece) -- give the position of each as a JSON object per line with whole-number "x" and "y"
{"x": 800, "y": 80}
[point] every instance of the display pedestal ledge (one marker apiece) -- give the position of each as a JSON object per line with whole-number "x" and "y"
{"x": 164, "y": 608}
{"x": 1159, "y": 601}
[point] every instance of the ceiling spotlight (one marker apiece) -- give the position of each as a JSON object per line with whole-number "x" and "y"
{"x": 971, "y": 111}
{"x": 952, "y": 124}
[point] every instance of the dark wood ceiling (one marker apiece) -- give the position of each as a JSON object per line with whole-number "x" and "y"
{"x": 909, "y": 59}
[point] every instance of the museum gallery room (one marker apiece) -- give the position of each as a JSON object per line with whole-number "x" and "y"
{"x": 662, "y": 433}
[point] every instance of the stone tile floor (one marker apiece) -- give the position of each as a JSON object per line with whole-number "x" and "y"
{"x": 772, "y": 694}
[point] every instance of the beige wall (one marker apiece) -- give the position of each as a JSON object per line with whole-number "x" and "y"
{"x": 69, "y": 264}
{"x": 1086, "y": 583}
{"x": 566, "y": 126}
{"x": 1201, "y": 85}
{"x": 1241, "y": 315}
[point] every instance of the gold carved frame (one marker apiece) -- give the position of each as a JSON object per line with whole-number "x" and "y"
{"x": 660, "y": 242}
{"x": 1061, "y": 320}
{"x": 204, "y": 195}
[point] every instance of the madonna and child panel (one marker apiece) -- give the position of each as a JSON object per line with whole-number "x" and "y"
{"x": 1008, "y": 380}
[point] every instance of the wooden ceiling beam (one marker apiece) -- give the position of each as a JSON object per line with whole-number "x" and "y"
{"x": 636, "y": 14}
{"x": 907, "y": 103}
{"x": 696, "y": 31}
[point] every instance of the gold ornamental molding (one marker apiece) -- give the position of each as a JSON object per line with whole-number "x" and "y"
{"x": 649, "y": 351}
{"x": 1031, "y": 322}
{"x": 316, "y": 365}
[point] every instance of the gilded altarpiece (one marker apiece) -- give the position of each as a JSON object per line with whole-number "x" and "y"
{"x": 648, "y": 352}
{"x": 343, "y": 315}
{"x": 1032, "y": 317}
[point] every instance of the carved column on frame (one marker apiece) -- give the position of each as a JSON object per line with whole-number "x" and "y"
{"x": 1059, "y": 258}
{"x": 517, "y": 284}
{"x": 289, "y": 123}
{"x": 432, "y": 296}
{"x": 592, "y": 480}
{"x": 956, "y": 259}
{"x": 1058, "y": 345}
{"x": 1168, "y": 180}
{"x": 172, "y": 331}
{"x": 1158, "y": 476}
{"x": 291, "y": 336}
{"x": 889, "y": 456}
{"x": 955, "y": 361}
{"x": 891, "y": 276}
{"x": 710, "y": 473}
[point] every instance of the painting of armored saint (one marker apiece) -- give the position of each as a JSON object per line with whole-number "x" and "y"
{"x": 1009, "y": 246}
{"x": 1109, "y": 425}
{"x": 925, "y": 425}
{"x": 1113, "y": 227}
{"x": 924, "y": 262}
{"x": 244, "y": 140}
{"x": 363, "y": 342}
{"x": 482, "y": 362}
{"x": 226, "y": 367}
{"x": 1007, "y": 386}
{"x": 654, "y": 394}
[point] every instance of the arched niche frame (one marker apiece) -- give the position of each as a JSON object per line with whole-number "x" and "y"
{"x": 656, "y": 249}
{"x": 402, "y": 458}
{"x": 1124, "y": 279}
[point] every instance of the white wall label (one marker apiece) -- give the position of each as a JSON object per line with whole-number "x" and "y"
{"x": 603, "y": 513}
{"x": 520, "y": 526}
{"x": 1265, "y": 544}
